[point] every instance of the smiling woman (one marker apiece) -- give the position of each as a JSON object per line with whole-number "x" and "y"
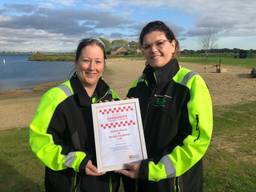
{"x": 176, "y": 110}
{"x": 90, "y": 63}
{"x": 61, "y": 132}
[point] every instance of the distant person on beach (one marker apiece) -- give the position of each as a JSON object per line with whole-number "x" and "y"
{"x": 61, "y": 132}
{"x": 177, "y": 118}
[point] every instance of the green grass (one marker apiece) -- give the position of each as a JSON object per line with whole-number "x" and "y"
{"x": 51, "y": 57}
{"x": 230, "y": 163}
{"x": 248, "y": 62}
{"x": 19, "y": 170}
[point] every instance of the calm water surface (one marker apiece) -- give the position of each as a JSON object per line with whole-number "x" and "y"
{"x": 17, "y": 72}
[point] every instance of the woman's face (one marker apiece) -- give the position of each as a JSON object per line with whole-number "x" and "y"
{"x": 90, "y": 65}
{"x": 157, "y": 49}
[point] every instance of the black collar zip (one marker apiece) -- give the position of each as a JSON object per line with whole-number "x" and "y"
{"x": 159, "y": 78}
{"x": 101, "y": 91}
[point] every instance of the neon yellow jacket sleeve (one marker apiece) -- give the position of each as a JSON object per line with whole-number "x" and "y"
{"x": 42, "y": 143}
{"x": 183, "y": 157}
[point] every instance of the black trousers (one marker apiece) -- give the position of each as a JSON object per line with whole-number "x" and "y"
{"x": 191, "y": 181}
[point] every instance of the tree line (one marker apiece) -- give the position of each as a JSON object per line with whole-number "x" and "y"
{"x": 235, "y": 52}
{"x": 122, "y": 47}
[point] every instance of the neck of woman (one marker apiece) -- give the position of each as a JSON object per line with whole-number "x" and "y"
{"x": 90, "y": 90}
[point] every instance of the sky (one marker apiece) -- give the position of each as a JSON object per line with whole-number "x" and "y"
{"x": 58, "y": 25}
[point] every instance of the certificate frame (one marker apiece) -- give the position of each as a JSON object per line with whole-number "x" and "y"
{"x": 118, "y": 134}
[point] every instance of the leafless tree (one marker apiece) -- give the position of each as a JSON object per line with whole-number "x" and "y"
{"x": 209, "y": 41}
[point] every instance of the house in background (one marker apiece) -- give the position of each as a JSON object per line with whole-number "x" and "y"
{"x": 119, "y": 51}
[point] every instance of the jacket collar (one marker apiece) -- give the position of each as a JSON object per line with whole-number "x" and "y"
{"x": 162, "y": 75}
{"x": 84, "y": 100}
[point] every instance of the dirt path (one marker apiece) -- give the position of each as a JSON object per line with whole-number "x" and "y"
{"x": 230, "y": 87}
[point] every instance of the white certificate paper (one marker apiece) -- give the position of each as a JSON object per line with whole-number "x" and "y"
{"x": 118, "y": 132}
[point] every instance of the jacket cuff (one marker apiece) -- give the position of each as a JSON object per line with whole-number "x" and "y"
{"x": 143, "y": 171}
{"x": 83, "y": 164}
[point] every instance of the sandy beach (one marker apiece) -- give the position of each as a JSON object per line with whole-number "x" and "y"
{"x": 230, "y": 87}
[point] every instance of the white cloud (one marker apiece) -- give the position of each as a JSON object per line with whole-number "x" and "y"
{"x": 51, "y": 28}
{"x": 63, "y": 2}
{"x": 36, "y": 40}
{"x": 108, "y": 4}
{"x": 50, "y": 4}
{"x": 4, "y": 18}
{"x": 67, "y": 21}
{"x": 46, "y": 5}
{"x": 231, "y": 17}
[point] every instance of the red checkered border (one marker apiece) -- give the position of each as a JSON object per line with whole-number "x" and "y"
{"x": 116, "y": 110}
{"x": 117, "y": 124}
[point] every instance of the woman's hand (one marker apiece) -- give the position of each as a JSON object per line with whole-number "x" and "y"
{"x": 91, "y": 170}
{"x": 132, "y": 170}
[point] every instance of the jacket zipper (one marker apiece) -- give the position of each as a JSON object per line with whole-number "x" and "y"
{"x": 197, "y": 127}
{"x": 110, "y": 183}
{"x": 152, "y": 95}
{"x": 108, "y": 91}
{"x": 176, "y": 184}
{"x": 74, "y": 183}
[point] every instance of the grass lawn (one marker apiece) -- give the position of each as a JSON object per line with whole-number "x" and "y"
{"x": 230, "y": 163}
{"x": 19, "y": 169}
{"x": 248, "y": 62}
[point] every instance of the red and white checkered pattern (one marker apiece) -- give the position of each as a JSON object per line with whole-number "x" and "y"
{"x": 116, "y": 110}
{"x": 117, "y": 124}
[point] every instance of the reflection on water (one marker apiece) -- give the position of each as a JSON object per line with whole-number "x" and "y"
{"x": 17, "y": 72}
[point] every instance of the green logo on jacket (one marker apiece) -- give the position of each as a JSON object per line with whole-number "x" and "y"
{"x": 161, "y": 101}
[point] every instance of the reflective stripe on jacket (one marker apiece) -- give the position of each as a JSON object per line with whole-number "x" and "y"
{"x": 61, "y": 133}
{"x": 177, "y": 118}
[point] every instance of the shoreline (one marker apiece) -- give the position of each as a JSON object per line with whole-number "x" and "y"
{"x": 17, "y": 106}
{"x": 27, "y": 91}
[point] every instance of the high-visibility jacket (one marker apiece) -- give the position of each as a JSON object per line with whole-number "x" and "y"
{"x": 177, "y": 118}
{"x": 61, "y": 136}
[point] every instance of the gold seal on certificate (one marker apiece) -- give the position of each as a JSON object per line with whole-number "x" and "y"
{"x": 118, "y": 132}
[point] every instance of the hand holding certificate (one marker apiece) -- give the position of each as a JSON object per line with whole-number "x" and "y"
{"x": 119, "y": 137}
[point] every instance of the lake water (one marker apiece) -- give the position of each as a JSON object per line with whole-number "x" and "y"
{"x": 17, "y": 72}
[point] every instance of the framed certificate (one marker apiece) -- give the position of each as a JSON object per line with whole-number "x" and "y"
{"x": 118, "y": 132}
